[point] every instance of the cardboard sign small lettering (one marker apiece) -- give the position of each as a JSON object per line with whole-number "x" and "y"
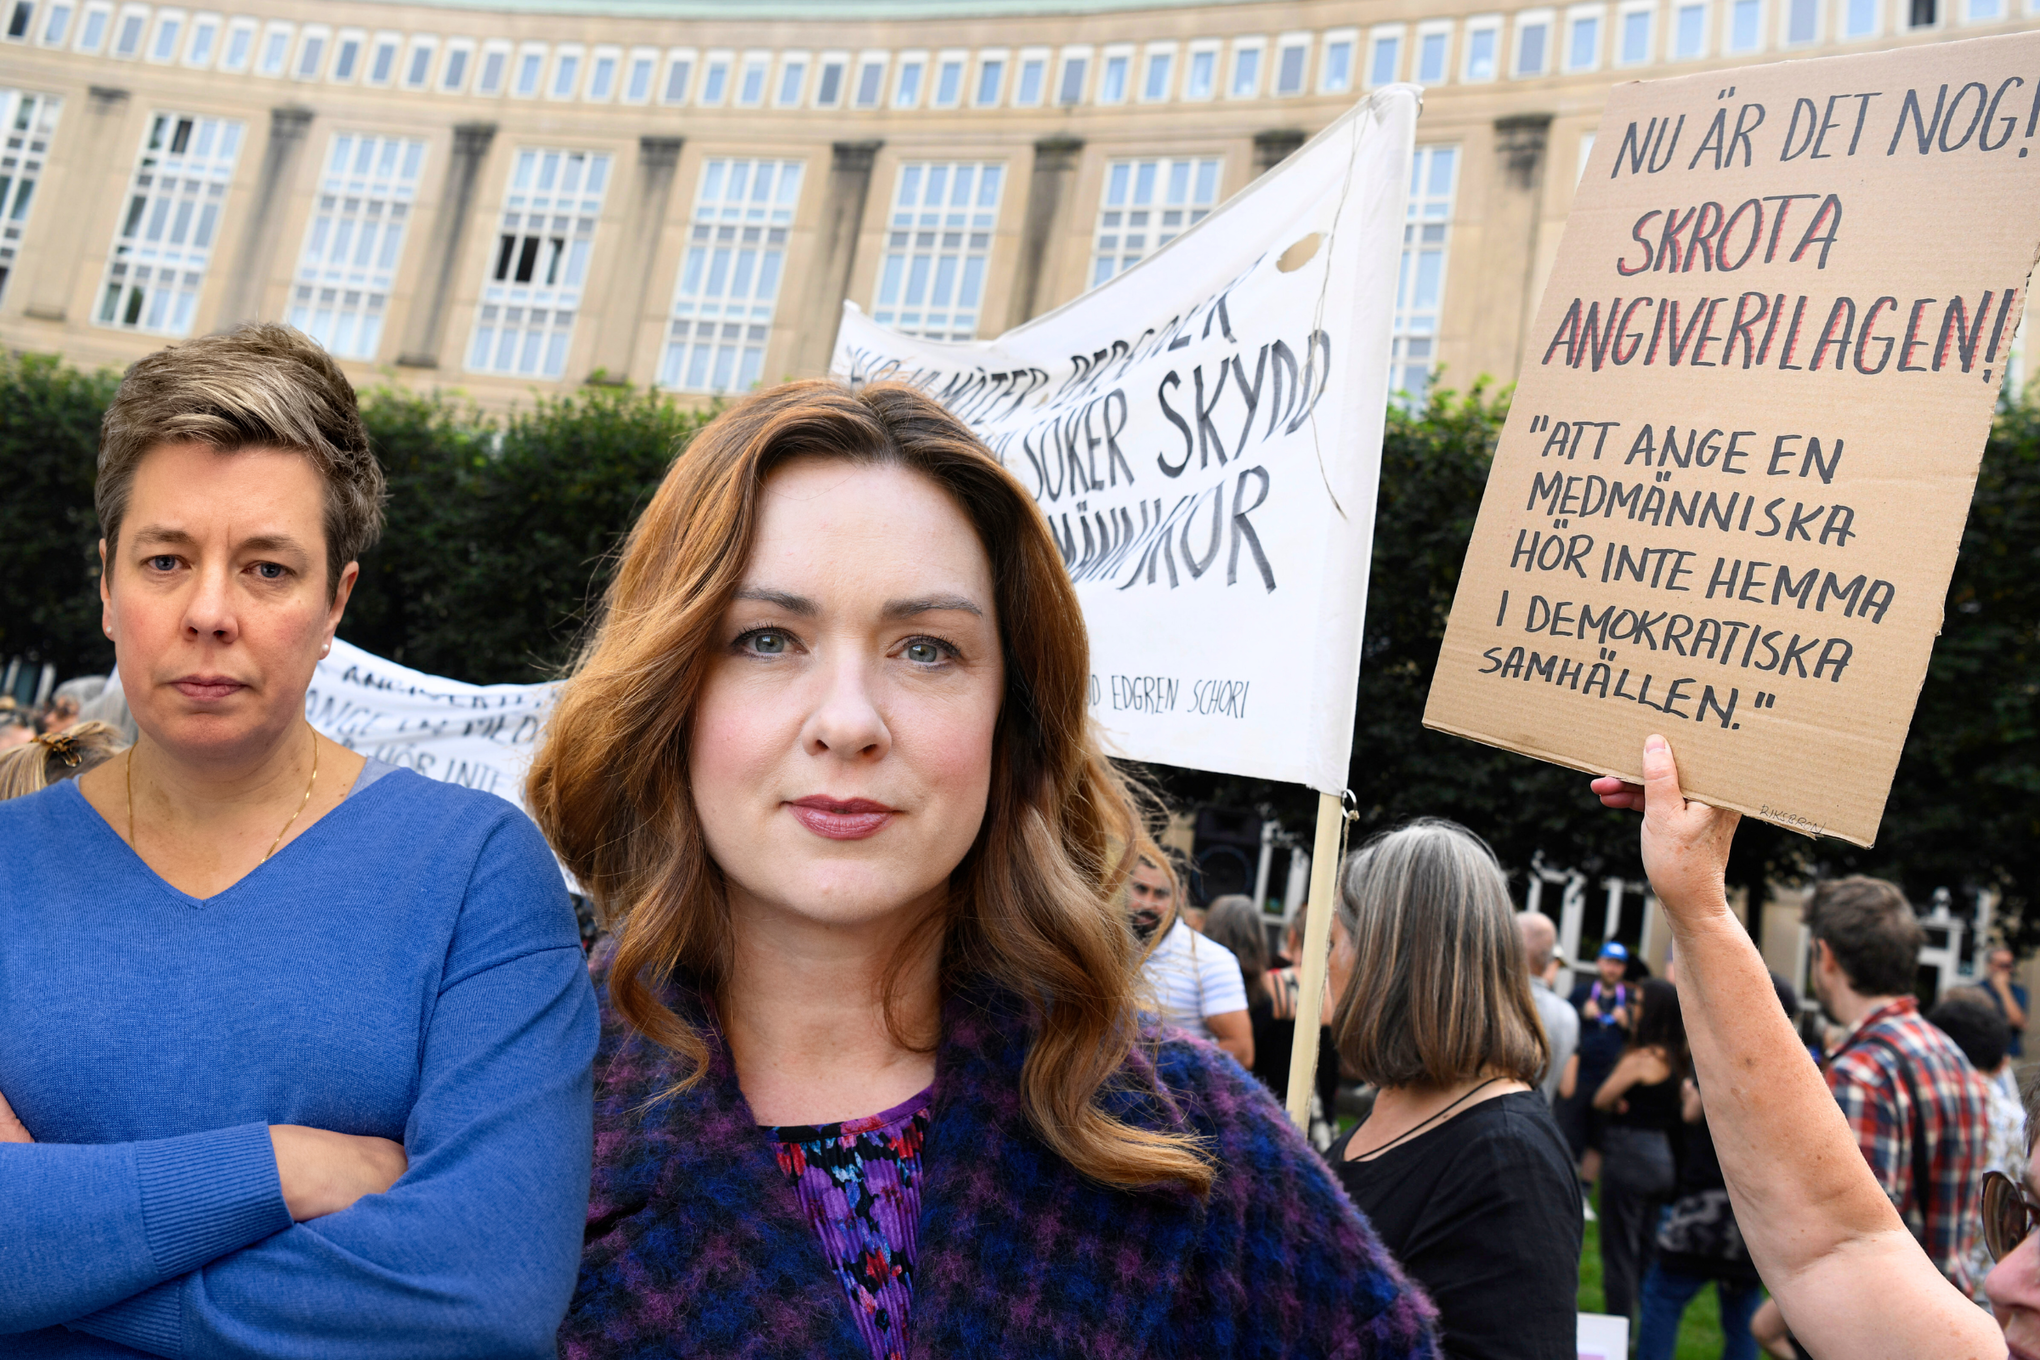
{"x": 1729, "y": 494}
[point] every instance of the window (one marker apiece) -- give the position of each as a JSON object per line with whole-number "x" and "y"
{"x": 1420, "y": 286}
{"x": 1583, "y": 42}
{"x": 1802, "y": 20}
{"x": 1482, "y": 46}
{"x": 729, "y": 277}
{"x": 751, "y": 87}
{"x": 495, "y": 65}
{"x": 566, "y": 81}
{"x": 715, "y": 80}
{"x": 1923, "y": 13}
{"x": 418, "y": 66}
{"x": 19, "y": 18}
{"x": 530, "y": 70}
{"x": 1246, "y": 70}
{"x": 829, "y": 86}
{"x": 1586, "y": 154}
{"x": 133, "y": 23}
{"x": 166, "y": 236}
{"x": 240, "y": 45}
{"x": 1533, "y": 36}
{"x": 1745, "y": 25}
{"x": 792, "y": 81}
{"x": 1689, "y": 36}
{"x": 680, "y": 70}
{"x": 347, "y": 56}
{"x": 602, "y": 73}
{"x": 205, "y": 37}
{"x": 533, "y": 288}
{"x": 92, "y": 33}
{"x": 56, "y": 25}
{"x": 1112, "y": 80}
{"x": 1335, "y": 73}
{"x": 908, "y": 93}
{"x": 1859, "y": 18}
{"x": 1385, "y": 60}
{"x": 1203, "y": 75}
{"x": 1432, "y": 47}
{"x": 169, "y": 27}
{"x": 949, "y": 81}
{"x": 991, "y": 80}
{"x": 1033, "y": 82}
{"x": 1635, "y": 37}
{"x": 311, "y": 62}
{"x": 637, "y": 80}
{"x": 637, "y": 84}
{"x": 1149, "y": 203}
{"x": 870, "y": 82}
{"x": 1075, "y": 69}
{"x": 1982, "y": 11}
{"x": 460, "y": 55}
{"x": 931, "y": 281}
{"x": 275, "y": 50}
{"x": 30, "y": 121}
{"x": 354, "y": 241}
{"x": 382, "y": 66}
{"x": 1154, "y": 84}
{"x": 1291, "y": 61}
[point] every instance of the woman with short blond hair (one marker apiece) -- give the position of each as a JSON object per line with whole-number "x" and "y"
{"x": 1459, "y": 1165}
{"x": 873, "y": 1078}
{"x": 293, "y": 1045}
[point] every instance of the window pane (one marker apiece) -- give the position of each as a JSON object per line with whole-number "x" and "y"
{"x": 1530, "y": 50}
{"x": 722, "y": 314}
{"x": 1480, "y": 55}
{"x": 1157, "y": 83}
{"x": 159, "y": 259}
{"x": 532, "y": 291}
{"x": 940, "y": 232}
{"x": 1431, "y": 58}
{"x": 1387, "y": 54}
{"x": 1073, "y": 80}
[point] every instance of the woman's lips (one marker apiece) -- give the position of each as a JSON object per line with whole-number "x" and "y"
{"x": 207, "y": 686}
{"x": 841, "y": 819}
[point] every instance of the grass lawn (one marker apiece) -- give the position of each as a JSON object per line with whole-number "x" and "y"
{"x": 1699, "y": 1331}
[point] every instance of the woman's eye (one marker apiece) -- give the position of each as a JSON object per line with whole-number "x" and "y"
{"x": 768, "y": 643}
{"x": 923, "y": 653}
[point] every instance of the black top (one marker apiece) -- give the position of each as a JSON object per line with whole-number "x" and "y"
{"x": 1484, "y": 1212}
{"x": 1655, "y": 1106}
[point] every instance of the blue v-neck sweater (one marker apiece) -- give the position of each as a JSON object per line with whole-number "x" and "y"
{"x": 408, "y": 967}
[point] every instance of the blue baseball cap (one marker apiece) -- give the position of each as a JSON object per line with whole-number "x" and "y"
{"x": 1614, "y": 950}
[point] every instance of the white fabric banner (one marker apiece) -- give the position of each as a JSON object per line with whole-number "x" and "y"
{"x": 479, "y": 736}
{"x": 1204, "y": 434}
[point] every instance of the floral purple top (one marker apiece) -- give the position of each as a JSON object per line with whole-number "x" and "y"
{"x": 859, "y": 1184}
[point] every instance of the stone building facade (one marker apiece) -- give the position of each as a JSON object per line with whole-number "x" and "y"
{"x": 512, "y": 197}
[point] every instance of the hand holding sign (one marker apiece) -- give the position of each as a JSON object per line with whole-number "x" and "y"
{"x": 1727, "y": 501}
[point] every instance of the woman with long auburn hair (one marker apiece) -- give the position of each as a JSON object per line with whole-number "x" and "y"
{"x": 873, "y": 1076}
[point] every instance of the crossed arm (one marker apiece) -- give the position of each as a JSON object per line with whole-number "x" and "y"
{"x": 1845, "y": 1271}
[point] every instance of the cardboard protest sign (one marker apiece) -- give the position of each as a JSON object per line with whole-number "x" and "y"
{"x": 480, "y": 736}
{"x": 1730, "y": 490}
{"x": 1203, "y": 433}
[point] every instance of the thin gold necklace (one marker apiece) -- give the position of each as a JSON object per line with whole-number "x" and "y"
{"x": 274, "y": 845}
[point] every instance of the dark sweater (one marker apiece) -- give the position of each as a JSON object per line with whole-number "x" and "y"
{"x": 1484, "y": 1212}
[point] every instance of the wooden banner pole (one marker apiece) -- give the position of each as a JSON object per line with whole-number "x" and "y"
{"x": 1317, "y": 949}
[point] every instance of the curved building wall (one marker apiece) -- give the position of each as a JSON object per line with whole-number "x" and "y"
{"x": 511, "y": 199}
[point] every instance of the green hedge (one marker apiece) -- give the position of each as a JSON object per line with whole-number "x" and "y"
{"x": 502, "y": 528}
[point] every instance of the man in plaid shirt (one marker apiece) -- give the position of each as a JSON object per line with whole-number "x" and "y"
{"x": 1920, "y": 1111}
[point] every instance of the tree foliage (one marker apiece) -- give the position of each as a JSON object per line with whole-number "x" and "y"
{"x": 49, "y": 535}
{"x": 502, "y": 532}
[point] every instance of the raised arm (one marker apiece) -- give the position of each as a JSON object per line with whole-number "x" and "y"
{"x": 474, "y": 1251}
{"x": 1849, "y": 1277}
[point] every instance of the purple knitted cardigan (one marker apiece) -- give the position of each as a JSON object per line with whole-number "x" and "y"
{"x": 697, "y": 1245}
